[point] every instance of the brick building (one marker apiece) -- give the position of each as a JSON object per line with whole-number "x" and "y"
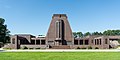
{"x": 59, "y": 36}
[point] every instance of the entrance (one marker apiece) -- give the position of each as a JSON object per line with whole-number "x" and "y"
{"x": 57, "y": 42}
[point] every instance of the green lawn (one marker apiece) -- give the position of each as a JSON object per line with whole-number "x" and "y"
{"x": 60, "y": 56}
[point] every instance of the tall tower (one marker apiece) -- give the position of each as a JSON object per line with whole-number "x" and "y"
{"x": 59, "y": 32}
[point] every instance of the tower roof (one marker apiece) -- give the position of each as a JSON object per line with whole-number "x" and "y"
{"x": 60, "y": 15}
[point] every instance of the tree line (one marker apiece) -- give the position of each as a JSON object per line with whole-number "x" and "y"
{"x": 105, "y": 33}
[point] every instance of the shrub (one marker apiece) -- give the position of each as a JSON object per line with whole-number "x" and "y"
{"x": 96, "y": 48}
{"x": 31, "y": 48}
{"x": 24, "y": 47}
{"x": 37, "y": 48}
{"x": 78, "y": 47}
{"x": 89, "y": 47}
{"x": 7, "y": 48}
{"x": 83, "y": 48}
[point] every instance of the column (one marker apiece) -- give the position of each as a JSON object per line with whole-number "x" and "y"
{"x": 35, "y": 41}
{"x": 78, "y": 42}
{"x": 40, "y": 41}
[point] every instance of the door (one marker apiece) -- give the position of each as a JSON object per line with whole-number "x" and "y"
{"x": 57, "y": 43}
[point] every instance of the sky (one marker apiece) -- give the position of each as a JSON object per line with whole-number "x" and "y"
{"x": 34, "y": 16}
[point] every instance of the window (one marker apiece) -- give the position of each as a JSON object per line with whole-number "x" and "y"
{"x": 81, "y": 42}
{"x": 106, "y": 41}
{"x": 100, "y": 41}
{"x": 32, "y": 41}
{"x": 13, "y": 40}
{"x": 38, "y": 42}
{"x": 58, "y": 30}
{"x": 86, "y": 42}
{"x": 97, "y": 41}
{"x": 42, "y": 42}
{"x": 76, "y": 42}
{"x": 92, "y": 41}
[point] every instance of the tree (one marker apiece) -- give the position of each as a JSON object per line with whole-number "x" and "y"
{"x": 79, "y": 34}
{"x": 4, "y": 32}
{"x": 97, "y": 33}
{"x": 111, "y": 32}
{"x": 75, "y": 34}
{"x": 87, "y": 34}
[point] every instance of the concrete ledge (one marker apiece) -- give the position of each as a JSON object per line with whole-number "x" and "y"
{"x": 63, "y": 50}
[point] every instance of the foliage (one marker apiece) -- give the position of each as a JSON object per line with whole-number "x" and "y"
{"x": 78, "y": 47}
{"x": 75, "y": 34}
{"x": 97, "y": 33}
{"x": 25, "y": 47}
{"x": 105, "y": 33}
{"x": 89, "y": 47}
{"x": 37, "y": 48}
{"x": 111, "y": 32}
{"x": 79, "y": 34}
{"x": 83, "y": 48}
{"x": 96, "y": 48}
{"x": 4, "y": 32}
{"x": 87, "y": 34}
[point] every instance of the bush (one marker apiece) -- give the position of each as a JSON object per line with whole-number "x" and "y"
{"x": 83, "y": 48}
{"x": 78, "y": 47}
{"x": 37, "y": 48}
{"x": 89, "y": 47}
{"x": 96, "y": 48}
{"x": 7, "y": 48}
{"x": 31, "y": 48}
{"x": 24, "y": 47}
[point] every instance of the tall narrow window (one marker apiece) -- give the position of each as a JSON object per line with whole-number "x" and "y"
{"x": 100, "y": 41}
{"x": 57, "y": 29}
{"x": 92, "y": 41}
{"x": 59, "y": 32}
{"x": 81, "y": 42}
{"x": 86, "y": 42}
{"x": 13, "y": 40}
{"x": 97, "y": 41}
{"x": 106, "y": 41}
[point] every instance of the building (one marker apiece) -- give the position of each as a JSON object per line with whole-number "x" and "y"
{"x": 59, "y": 36}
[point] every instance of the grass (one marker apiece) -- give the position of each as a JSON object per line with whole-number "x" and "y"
{"x": 60, "y": 56}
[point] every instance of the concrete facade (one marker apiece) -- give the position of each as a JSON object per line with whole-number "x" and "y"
{"x": 59, "y": 36}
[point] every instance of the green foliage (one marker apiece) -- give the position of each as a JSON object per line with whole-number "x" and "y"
{"x": 106, "y": 33}
{"x": 2, "y": 21}
{"x": 89, "y": 47}
{"x": 37, "y": 48}
{"x": 78, "y": 47}
{"x": 111, "y": 32}
{"x": 24, "y": 47}
{"x": 4, "y": 32}
{"x": 79, "y": 34}
{"x": 75, "y": 34}
{"x": 87, "y": 34}
{"x": 83, "y": 48}
{"x": 96, "y": 48}
{"x": 97, "y": 33}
